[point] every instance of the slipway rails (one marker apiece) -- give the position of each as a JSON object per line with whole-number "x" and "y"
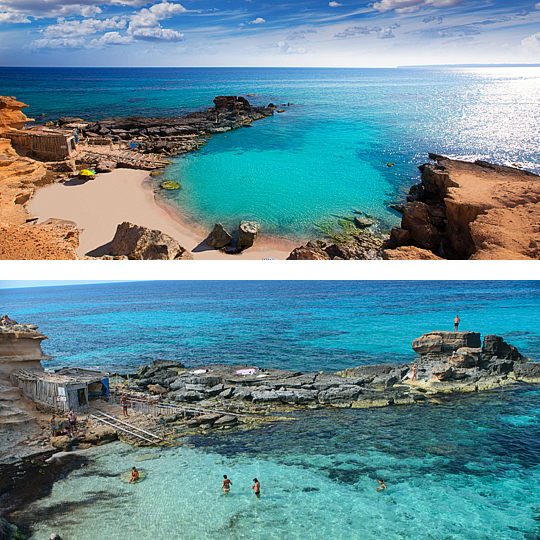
{"x": 134, "y": 433}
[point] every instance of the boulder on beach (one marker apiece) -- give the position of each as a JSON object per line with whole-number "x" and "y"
{"x": 248, "y": 232}
{"x": 219, "y": 237}
{"x": 140, "y": 243}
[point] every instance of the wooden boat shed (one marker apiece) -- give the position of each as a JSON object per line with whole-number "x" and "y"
{"x": 63, "y": 390}
{"x": 44, "y": 143}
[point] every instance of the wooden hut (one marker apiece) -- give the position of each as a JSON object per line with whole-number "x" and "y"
{"x": 45, "y": 143}
{"x": 63, "y": 390}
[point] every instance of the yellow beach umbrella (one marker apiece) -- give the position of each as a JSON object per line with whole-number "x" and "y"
{"x": 86, "y": 172}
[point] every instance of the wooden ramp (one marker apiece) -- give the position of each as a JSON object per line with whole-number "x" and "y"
{"x": 132, "y": 432}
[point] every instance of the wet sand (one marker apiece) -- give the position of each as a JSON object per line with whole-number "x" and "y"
{"x": 98, "y": 206}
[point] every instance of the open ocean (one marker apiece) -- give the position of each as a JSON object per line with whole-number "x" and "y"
{"x": 325, "y": 158}
{"x": 459, "y": 468}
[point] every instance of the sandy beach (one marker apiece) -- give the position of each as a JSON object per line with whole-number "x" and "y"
{"x": 99, "y": 205}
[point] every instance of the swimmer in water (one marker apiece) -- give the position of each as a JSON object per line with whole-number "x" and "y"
{"x": 257, "y": 488}
{"x": 382, "y": 486}
{"x": 226, "y": 487}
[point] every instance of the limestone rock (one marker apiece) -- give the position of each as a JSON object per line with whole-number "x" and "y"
{"x": 11, "y": 115}
{"x": 64, "y": 443}
{"x": 441, "y": 371}
{"x": 362, "y": 222}
{"x": 417, "y": 220}
{"x": 409, "y": 253}
{"x": 435, "y": 342}
{"x": 248, "y": 232}
{"x": 105, "y": 166}
{"x": 227, "y": 420}
{"x": 99, "y": 434}
{"x": 308, "y": 253}
{"x": 207, "y": 418}
{"x": 219, "y": 237}
{"x": 140, "y": 243}
{"x": 156, "y": 389}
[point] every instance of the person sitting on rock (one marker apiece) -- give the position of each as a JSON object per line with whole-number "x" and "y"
{"x": 134, "y": 475}
{"x": 456, "y": 323}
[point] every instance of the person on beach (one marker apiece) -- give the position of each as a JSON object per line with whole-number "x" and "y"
{"x": 72, "y": 418}
{"x": 257, "y": 488}
{"x": 52, "y": 422}
{"x": 414, "y": 373}
{"x": 456, "y": 323}
{"x": 226, "y": 487}
{"x": 123, "y": 401}
{"x": 134, "y": 475}
{"x": 381, "y": 486}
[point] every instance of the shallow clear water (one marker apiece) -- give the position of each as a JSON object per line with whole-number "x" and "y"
{"x": 460, "y": 469}
{"x": 301, "y": 325}
{"x": 326, "y": 156}
{"x": 457, "y": 468}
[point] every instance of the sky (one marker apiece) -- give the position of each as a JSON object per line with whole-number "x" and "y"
{"x": 258, "y": 33}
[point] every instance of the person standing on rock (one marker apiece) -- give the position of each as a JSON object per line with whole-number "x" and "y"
{"x": 123, "y": 400}
{"x": 72, "y": 418}
{"x": 456, "y": 323}
{"x": 226, "y": 487}
{"x": 52, "y": 421}
{"x": 414, "y": 373}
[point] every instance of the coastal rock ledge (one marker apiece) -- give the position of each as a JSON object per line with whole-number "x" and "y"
{"x": 447, "y": 362}
{"x": 463, "y": 210}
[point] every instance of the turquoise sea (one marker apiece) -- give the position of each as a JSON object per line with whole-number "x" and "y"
{"x": 458, "y": 468}
{"x": 326, "y": 157}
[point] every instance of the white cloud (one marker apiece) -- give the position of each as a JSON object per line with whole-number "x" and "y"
{"x": 532, "y": 43}
{"x": 537, "y": 6}
{"x": 158, "y": 33}
{"x": 89, "y": 11}
{"x": 73, "y": 28}
{"x": 111, "y": 38}
{"x": 14, "y": 18}
{"x": 409, "y": 6}
{"x": 334, "y": 4}
{"x": 258, "y": 20}
{"x": 58, "y": 43}
{"x": 284, "y": 48}
{"x": 382, "y": 33}
{"x": 150, "y": 17}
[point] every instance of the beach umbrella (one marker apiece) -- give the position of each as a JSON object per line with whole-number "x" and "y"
{"x": 86, "y": 172}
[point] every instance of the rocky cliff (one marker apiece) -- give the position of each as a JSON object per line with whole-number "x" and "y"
{"x": 20, "y": 347}
{"x": 463, "y": 210}
{"x": 11, "y": 115}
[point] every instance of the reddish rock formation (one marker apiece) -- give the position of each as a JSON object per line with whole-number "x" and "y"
{"x": 11, "y": 115}
{"x": 473, "y": 211}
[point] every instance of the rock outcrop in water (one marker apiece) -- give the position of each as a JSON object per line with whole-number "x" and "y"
{"x": 177, "y": 135}
{"x": 463, "y": 210}
{"x": 447, "y": 362}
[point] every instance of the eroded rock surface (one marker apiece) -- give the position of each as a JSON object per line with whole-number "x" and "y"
{"x": 477, "y": 210}
{"x": 141, "y": 243}
{"x": 447, "y": 362}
